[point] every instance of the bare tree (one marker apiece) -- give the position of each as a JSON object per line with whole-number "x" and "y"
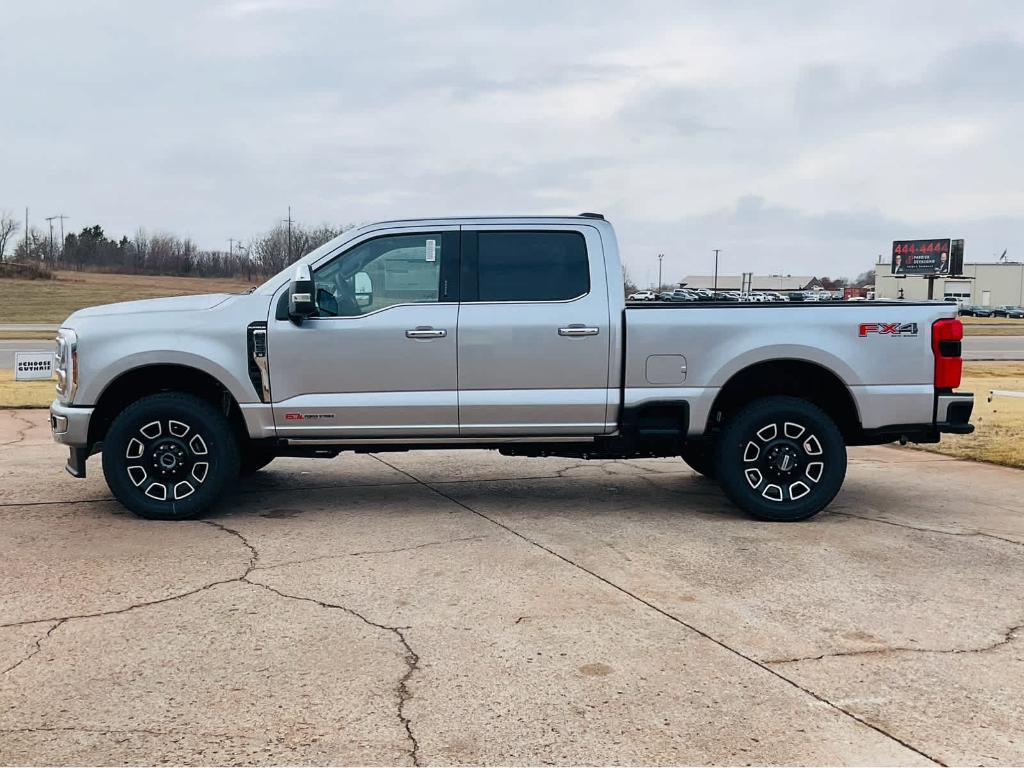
{"x": 628, "y": 283}
{"x": 8, "y": 228}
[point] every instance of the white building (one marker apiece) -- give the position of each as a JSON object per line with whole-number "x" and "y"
{"x": 990, "y": 284}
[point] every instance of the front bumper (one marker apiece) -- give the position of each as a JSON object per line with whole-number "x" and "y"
{"x": 70, "y": 427}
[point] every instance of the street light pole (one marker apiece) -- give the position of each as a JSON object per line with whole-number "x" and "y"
{"x": 716, "y": 270}
{"x": 660, "y": 257}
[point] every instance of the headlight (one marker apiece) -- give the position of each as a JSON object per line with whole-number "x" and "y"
{"x": 65, "y": 363}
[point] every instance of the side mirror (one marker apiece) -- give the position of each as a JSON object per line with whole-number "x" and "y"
{"x": 301, "y": 295}
{"x": 363, "y": 288}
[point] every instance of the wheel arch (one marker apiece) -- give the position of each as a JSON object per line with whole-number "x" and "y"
{"x": 790, "y": 377}
{"x": 136, "y": 383}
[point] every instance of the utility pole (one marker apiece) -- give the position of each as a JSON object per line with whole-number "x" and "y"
{"x": 716, "y": 269}
{"x": 660, "y": 257}
{"x": 49, "y": 220}
{"x": 231, "y": 247}
{"x": 289, "y": 222}
{"x": 61, "y": 216}
{"x": 26, "y": 232}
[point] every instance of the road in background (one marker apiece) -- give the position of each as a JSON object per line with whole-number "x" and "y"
{"x": 9, "y": 346}
{"x": 994, "y": 348}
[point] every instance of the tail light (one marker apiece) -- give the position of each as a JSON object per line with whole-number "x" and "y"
{"x": 949, "y": 366}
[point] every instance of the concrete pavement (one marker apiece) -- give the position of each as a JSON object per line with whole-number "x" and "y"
{"x": 461, "y": 607}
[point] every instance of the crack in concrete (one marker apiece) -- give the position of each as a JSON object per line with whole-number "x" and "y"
{"x": 925, "y": 529}
{"x": 1008, "y": 637}
{"x": 672, "y": 617}
{"x": 37, "y": 649}
{"x": 409, "y": 655}
{"x": 113, "y": 731}
{"x": 20, "y": 434}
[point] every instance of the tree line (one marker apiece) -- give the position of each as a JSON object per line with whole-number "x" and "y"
{"x": 166, "y": 254}
{"x": 161, "y": 253}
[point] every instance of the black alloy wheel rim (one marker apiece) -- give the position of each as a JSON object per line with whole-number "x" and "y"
{"x": 783, "y": 461}
{"x": 167, "y": 460}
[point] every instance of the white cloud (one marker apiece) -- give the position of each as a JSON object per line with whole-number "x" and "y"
{"x": 799, "y": 136}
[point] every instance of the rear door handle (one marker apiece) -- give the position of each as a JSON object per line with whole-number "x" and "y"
{"x": 426, "y": 332}
{"x": 578, "y": 330}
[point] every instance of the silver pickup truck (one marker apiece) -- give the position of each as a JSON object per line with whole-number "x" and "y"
{"x": 500, "y": 333}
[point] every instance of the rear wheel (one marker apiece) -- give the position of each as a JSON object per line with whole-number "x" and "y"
{"x": 781, "y": 459}
{"x": 170, "y": 456}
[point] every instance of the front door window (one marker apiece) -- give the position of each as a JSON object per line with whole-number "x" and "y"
{"x": 380, "y": 273}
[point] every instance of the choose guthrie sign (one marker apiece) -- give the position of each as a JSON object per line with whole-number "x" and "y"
{"x": 937, "y": 256}
{"x": 33, "y": 366}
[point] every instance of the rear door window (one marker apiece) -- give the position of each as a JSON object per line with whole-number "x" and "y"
{"x": 531, "y": 266}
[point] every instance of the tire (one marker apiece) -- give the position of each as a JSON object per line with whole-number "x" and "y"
{"x": 170, "y": 456}
{"x": 252, "y": 460}
{"x": 781, "y": 459}
{"x": 700, "y": 457}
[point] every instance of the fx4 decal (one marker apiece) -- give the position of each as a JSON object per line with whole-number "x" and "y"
{"x": 888, "y": 329}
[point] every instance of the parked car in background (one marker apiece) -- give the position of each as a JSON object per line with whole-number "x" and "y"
{"x": 681, "y": 294}
{"x": 665, "y": 296}
{"x": 642, "y": 296}
{"x": 979, "y": 311}
{"x": 966, "y": 309}
{"x": 1008, "y": 310}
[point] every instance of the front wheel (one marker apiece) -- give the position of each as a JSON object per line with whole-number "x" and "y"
{"x": 781, "y": 459}
{"x": 170, "y": 456}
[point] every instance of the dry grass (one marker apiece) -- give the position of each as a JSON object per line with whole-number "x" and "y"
{"x": 27, "y": 335}
{"x": 24, "y": 394}
{"x": 995, "y": 330}
{"x": 51, "y": 301}
{"x": 992, "y": 326}
{"x": 999, "y": 426}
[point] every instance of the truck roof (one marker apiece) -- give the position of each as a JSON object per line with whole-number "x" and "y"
{"x": 525, "y": 219}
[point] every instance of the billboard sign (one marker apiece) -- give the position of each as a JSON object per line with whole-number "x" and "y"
{"x": 926, "y": 257}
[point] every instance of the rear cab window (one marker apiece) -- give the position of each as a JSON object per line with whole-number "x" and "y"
{"x": 524, "y": 266}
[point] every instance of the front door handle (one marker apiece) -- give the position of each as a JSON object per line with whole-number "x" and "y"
{"x": 577, "y": 329}
{"x": 426, "y": 332}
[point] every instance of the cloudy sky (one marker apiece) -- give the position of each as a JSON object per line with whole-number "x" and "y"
{"x": 798, "y": 137}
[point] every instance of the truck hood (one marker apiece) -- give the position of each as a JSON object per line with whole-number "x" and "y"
{"x": 148, "y": 306}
